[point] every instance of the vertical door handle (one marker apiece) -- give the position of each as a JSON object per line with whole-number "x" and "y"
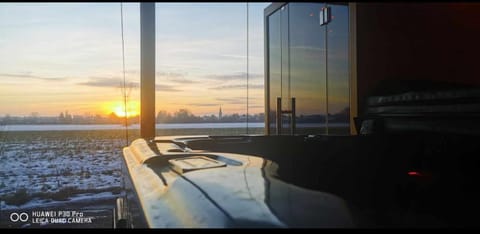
{"x": 280, "y": 112}
{"x": 279, "y": 115}
{"x": 293, "y": 117}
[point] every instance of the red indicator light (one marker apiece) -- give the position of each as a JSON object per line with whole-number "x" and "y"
{"x": 414, "y": 173}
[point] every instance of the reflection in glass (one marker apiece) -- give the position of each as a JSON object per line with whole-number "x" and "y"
{"x": 307, "y": 64}
{"x": 285, "y": 43}
{"x": 309, "y": 61}
{"x": 275, "y": 66}
{"x": 337, "y": 72}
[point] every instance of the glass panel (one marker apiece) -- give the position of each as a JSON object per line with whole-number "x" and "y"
{"x": 64, "y": 63}
{"x": 275, "y": 64}
{"x": 285, "y": 67}
{"x": 307, "y": 66}
{"x": 201, "y": 68}
{"x": 256, "y": 59}
{"x": 337, "y": 72}
{"x": 62, "y": 105}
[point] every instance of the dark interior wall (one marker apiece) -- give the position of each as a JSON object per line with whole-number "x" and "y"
{"x": 416, "y": 41}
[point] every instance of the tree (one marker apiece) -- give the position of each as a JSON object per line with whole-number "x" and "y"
{"x": 163, "y": 117}
{"x": 34, "y": 117}
{"x": 7, "y": 119}
{"x": 68, "y": 117}
{"x": 183, "y": 115}
{"x": 61, "y": 118}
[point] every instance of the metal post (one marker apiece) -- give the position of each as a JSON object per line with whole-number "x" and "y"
{"x": 147, "y": 73}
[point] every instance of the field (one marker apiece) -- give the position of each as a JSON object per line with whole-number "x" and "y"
{"x": 66, "y": 169}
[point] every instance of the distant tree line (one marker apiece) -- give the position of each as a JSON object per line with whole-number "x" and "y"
{"x": 66, "y": 118}
{"x": 179, "y": 116}
{"x": 185, "y": 116}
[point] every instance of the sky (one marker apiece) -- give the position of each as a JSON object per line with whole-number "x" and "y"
{"x": 57, "y": 57}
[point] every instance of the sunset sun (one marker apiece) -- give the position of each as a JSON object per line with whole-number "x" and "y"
{"x": 118, "y": 108}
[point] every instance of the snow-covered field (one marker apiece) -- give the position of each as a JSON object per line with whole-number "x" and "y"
{"x": 54, "y": 167}
{"x": 74, "y": 169}
{"x": 40, "y": 168}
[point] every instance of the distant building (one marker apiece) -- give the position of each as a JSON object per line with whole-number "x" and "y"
{"x": 220, "y": 113}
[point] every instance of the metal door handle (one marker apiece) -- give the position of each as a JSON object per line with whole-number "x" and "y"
{"x": 293, "y": 117}
{"x": 279, "y": 116}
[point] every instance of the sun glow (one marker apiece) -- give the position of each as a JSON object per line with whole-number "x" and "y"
{"x": 118, "y": 108}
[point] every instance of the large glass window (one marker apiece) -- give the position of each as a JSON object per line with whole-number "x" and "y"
{"x": 61, "y": 102}
{"x": 201, "y": 64}
{"x": 62, "y": 95}
{"x": 65, "y": 59}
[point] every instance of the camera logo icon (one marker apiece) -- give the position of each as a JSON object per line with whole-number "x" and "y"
{"x": 16, "y": 217}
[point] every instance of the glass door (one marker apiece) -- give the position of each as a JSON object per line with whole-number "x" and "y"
{"x": 338, "y": 89}
{"x": 307, "y": 79}
{"x": 276, "y": 66}
{"x": 308, "y": 67}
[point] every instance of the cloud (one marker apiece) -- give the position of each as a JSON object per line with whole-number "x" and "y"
{"x": 174, "y": 77}
{"x": 103, "y": 82}
{"x": 235, "y": 76}
{"x": 238, "y": 86}
{"x": 256, "y": 106}
{"x": 169, "y": 74}
{"x": 180, "y": 77}
{"x": 233, "y": 100}
{"x": 181, "y": 80}
{"x": 117, "y": 83}
{"x": 202, "y": 104}
{"x": 132, "y": 72}
{"x": 29, "y": 76}
{"x": 166, "y": 88}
